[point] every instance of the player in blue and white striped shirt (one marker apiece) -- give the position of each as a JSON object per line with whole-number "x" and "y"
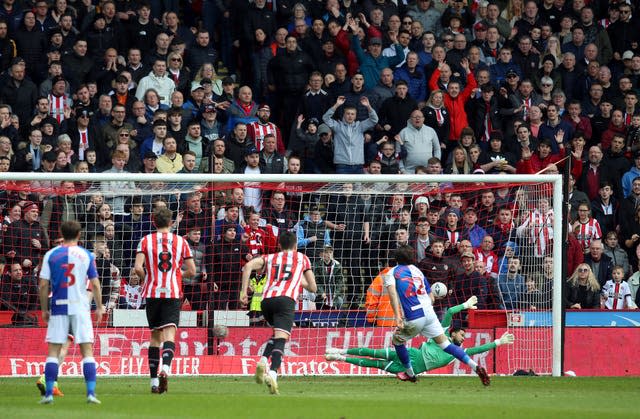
{"x": 66, "y": 269}
{"x": 412, "y": 303}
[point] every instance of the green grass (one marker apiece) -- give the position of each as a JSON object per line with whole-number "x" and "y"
{"x": 332, "y": 397}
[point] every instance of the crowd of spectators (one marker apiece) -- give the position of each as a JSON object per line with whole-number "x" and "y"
{"x": 327, "y": 87}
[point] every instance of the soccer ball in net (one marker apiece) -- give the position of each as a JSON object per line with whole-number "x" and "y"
{"x": 439, "y": 289}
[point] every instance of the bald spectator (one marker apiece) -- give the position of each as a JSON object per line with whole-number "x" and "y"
{"x": 419, "y": 141}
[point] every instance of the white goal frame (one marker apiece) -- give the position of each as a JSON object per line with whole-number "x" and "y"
{"x": 555, "y": 180}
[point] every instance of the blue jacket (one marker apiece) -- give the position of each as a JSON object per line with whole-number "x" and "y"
{"x": 416, "y": 81}
{"x": 371, "y": 67}
{"x": 499, "y": 70}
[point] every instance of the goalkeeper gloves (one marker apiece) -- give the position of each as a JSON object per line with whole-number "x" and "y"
{"x": 506, "y": 339}
{"x": 470, "y": 304}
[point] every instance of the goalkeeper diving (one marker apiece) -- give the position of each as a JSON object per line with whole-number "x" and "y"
{"x": 428, "y": 356}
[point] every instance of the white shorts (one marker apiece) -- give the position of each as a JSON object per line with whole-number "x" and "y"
{"x": 81, "y": 326}
{"x": 428, "y": 326}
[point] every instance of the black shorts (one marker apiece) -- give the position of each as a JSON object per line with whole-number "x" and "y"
{"x": 163, "y": 312}
{"x": 279, "y": 312}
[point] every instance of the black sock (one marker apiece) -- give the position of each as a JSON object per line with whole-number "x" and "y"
{"x": 153, "y": 356}
{"x": 168, "y": 349}
{"x": 277, "y": 353}
{"x": 268, "y": 348}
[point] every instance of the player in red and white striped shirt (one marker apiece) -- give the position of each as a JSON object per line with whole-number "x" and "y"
{"x": 163, "y": 254}
{"x": 287, "y": 272}
{"x": 586, "y": 228}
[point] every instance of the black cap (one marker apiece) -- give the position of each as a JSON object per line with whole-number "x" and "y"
{"x": 228, "y": 80}
{"x": 313, "y": 121}
{"x": 206, "y": 81}
{"x": 511, "y": 73}
{"x": 251, "y": 150}
{"x": 150, "y": 155}
{"x": 99, "y": 16}
{"x": 122, "y": 79}
{"x": 53, "y": 48}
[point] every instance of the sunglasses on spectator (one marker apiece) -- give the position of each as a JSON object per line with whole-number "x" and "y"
{"x": 124, "y": 134}
{"x": 547, "y": 85}
{"x": 176, "y": 59}
{"x": 583, "y": 270}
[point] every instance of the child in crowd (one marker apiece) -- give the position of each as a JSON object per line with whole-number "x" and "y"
{"x": 131, "y": 293}
{"x": 390, "y": 159}
{"x": 616, "y": 294}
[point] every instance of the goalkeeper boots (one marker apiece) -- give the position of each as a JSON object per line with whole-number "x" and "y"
{"x": 484, "y": 377}
{"x": 42, "y": 386}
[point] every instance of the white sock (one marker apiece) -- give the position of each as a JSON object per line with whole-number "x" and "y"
{"x": 410, "y": 372}
{"x": 155, "y": 382}
{"x": 273, "y": 375}
{"x": 264, "y": 360}
{"x": 166, "y": 369}
{"x": 473, "y": 364}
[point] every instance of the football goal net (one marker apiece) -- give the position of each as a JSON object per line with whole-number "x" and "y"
{"x": 498, "y": 237}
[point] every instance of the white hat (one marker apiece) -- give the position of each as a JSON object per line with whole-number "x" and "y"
{"x": 628, "y": 55}
{"x": 422, "y": 200}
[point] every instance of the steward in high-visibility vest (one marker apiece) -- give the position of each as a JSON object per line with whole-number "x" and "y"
{"x": 256, "y": 283}
{"x": 377, "y": 303}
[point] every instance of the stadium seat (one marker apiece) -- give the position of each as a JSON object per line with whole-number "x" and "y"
{"x": 5, "y": 318}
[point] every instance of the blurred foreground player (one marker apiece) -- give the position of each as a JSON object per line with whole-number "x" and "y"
{"x": 287, "y": 271}
{"x": 66, "y": 269}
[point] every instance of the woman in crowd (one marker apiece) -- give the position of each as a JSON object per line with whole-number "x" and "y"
{"x": 582, "y": 290}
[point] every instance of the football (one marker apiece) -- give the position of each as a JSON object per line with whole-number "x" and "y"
{"x": 439, "y": 289}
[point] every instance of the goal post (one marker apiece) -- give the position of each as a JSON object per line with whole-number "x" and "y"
{"x": 360, "y": 224}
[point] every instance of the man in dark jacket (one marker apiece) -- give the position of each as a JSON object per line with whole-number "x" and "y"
{"x": 288, "y": 75}
{"x": 201, "y": 52}
{"x": 600, "y": 263}
{"x": 20, "y": 93}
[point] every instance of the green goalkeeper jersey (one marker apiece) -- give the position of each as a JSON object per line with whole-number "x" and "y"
{"x": 432, "y": 356}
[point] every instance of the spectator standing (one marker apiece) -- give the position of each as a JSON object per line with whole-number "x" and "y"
{"x": 419, "y": 141}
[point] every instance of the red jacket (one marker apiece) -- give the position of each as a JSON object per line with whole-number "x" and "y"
{"x": 536, "y": 164}
{"x": 455, "y": 106}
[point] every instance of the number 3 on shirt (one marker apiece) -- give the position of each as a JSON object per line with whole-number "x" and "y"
{"x": 68, "y": 273}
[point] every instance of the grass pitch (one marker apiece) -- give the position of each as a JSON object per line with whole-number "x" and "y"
{"x": 331, "y": 397}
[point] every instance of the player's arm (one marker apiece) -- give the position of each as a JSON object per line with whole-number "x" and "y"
{"x": 254, "y": 264}
{"x": 505, "y": 339}
{"x": 309, "y": 281}
{"x": 139, "y": 266}
{"x": 470, "y": 304}
{"x": 395, "y": 304}
{"x": 43, "y": 291}
{"x": 97, "y": 298}
{"x": 190, "y": 268}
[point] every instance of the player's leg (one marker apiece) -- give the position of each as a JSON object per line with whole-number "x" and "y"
{"x": 400, "y": 337}
{"x": 56, "y": 336}
{"x": 153, "y": 353}
{"x": 283, "y": 315}
{"x": 261, "y": 366}
{"x": 89, "y": 371}
{"x": 82, "y": 328}
{"x": 446, "y": 345}
{"x": 170, "y": 319}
